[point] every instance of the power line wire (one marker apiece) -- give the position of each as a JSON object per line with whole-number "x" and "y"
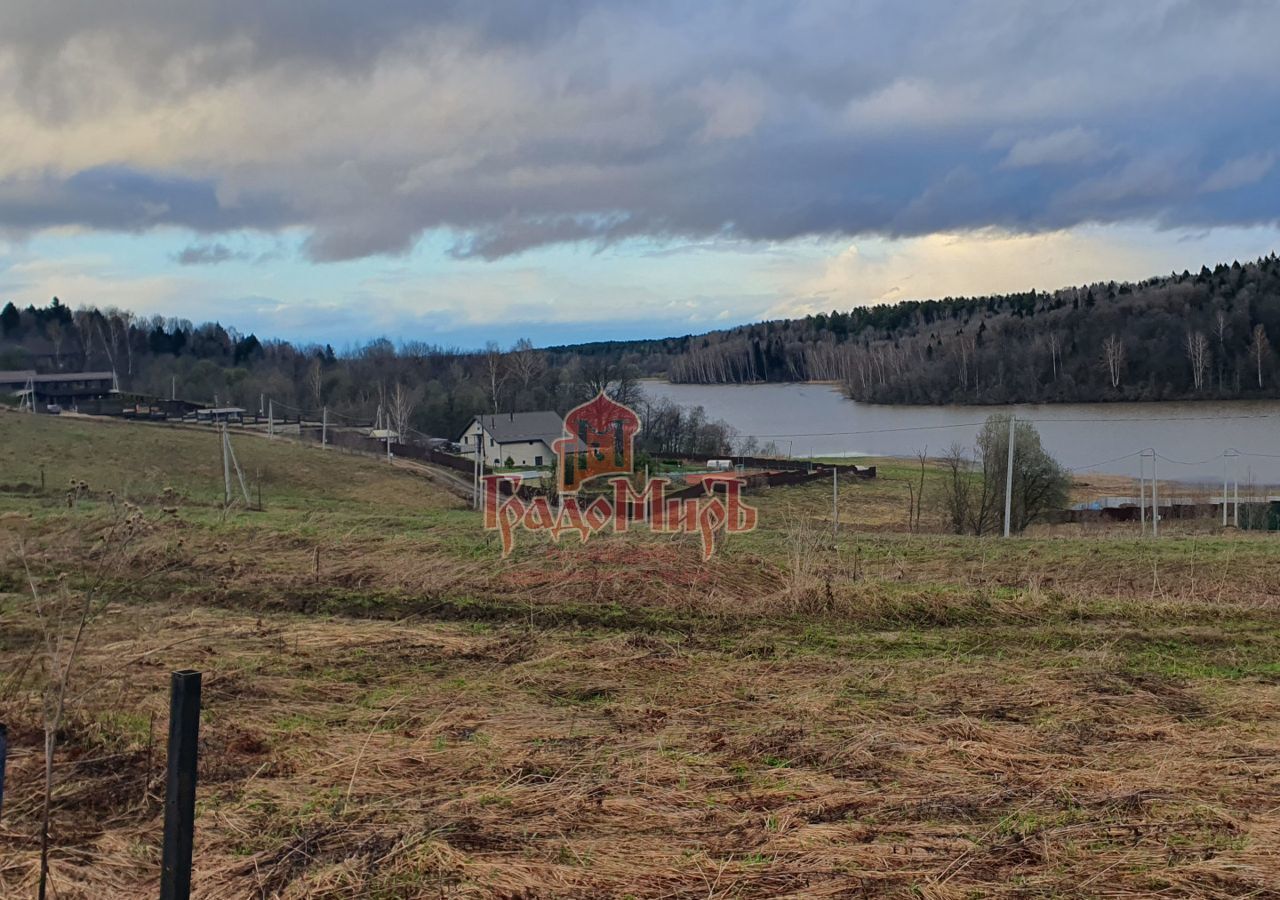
{"x": 1105, "y": 462}
{"x": 1200, "y": 462}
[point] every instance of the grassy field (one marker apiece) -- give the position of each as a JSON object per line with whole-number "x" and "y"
{"x": 392, "y": 709}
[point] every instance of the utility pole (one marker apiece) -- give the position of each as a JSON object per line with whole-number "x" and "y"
{"x": 226, "y": 468}
{"x": 1236, "y": 504}
{"x": 262, "y": 405}
{"x": 229, "y": 453}
{"x": 1008, "y": 479}
{"x": 1224, "y": 487}
{"x": 475, "y": 477}
{"x": 271, "y": 418}
{"x": 1142, "y": 490}
{"x": 835, "y": 503}
{"x": 1155, "y": 497}
{"x": 173, "y": 387}
{"x": 324, "y": 427}
{"x": 388, "y": 445}
{"x": 1235, "y": 481}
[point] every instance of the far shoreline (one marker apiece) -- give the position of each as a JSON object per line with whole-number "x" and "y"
{"x": 835, "y": 386}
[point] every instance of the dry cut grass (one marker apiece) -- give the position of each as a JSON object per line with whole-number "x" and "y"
{"x": 356, "y": 759}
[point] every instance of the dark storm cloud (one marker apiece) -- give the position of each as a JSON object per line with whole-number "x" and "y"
{"x": 124, "y": 199}
{"x": 208, "y": 254}
{"x": 264, "y": 33}
{"x": 516, "y": 125}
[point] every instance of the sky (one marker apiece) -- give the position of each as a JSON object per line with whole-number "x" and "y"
{"x": 462, "y": 171}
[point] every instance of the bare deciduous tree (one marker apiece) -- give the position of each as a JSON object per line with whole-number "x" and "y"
{"x": 599, "y": 374}
{"x": 1198, "y": 355}
{"x": 917, "y": 493}
{"x": 82, "y": 321}
{"x": 56, "y": 335}
{"x": 526, "y": 362}
{"x": 315, "y": 381}
{"x": 109, "y": 346}
{"x": 973, "y": 490}
{"x": 1113, "y": 358}
{"x": 1259, "y": 349}
{"x": 962, "y": 490}
{"x": 496, "y": 371}
{"x": 123, "y": 322}
{"x": 1220, "y": 329}
{"x": 402, "y": 403}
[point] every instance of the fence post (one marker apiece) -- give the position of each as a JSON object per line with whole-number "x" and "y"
{"x": 4, "y": 752}
{"x": 835, "y": 504}
{"x": 180, "y": 794}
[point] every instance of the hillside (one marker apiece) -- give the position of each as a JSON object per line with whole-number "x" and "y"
{"x": 392, "y": 709}
{"x": 1208, "y": 335}
{"x": 153, "y": 463}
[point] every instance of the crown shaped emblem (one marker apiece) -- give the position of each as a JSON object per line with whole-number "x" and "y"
{"x": 599, "y": 436}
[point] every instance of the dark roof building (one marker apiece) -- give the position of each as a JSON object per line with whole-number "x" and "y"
{"x": 60, "y": 387}
{"x": 506, "y": 428}
{"x": 525, "y": 438}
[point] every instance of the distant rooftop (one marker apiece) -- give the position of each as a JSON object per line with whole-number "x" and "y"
{"x": 22, "y": 376}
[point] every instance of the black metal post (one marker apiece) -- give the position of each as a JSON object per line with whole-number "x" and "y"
{"x": 4, "y": 752}
{"x": 180, "y": 795}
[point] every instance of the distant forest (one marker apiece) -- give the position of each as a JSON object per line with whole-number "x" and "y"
{"x": 1207, "y": 335}
{"x": 421, "y": 390}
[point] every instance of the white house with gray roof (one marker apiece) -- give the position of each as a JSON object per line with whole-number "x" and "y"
{"x": 525, "y": 438}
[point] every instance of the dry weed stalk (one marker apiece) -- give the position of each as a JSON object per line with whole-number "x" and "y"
{"x": 64, "y": 615}
{"x": 805, "y": 541}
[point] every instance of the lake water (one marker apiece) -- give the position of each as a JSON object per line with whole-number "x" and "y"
{"x": 817, "y": 420}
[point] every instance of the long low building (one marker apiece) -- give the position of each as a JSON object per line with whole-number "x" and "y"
{"x": 63, "y": 388}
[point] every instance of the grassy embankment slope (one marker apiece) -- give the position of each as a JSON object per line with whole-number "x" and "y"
{"x": 393, "y": 710}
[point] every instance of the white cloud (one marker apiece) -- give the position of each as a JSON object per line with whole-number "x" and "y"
{"x": 1240, "y": 172}
{"x": 960, "y": 264}
{"x": 1070, "y": 146}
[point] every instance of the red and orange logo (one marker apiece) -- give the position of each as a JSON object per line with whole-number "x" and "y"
{"x": 599, "y": 440}
{"x": 600, "y": 437}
